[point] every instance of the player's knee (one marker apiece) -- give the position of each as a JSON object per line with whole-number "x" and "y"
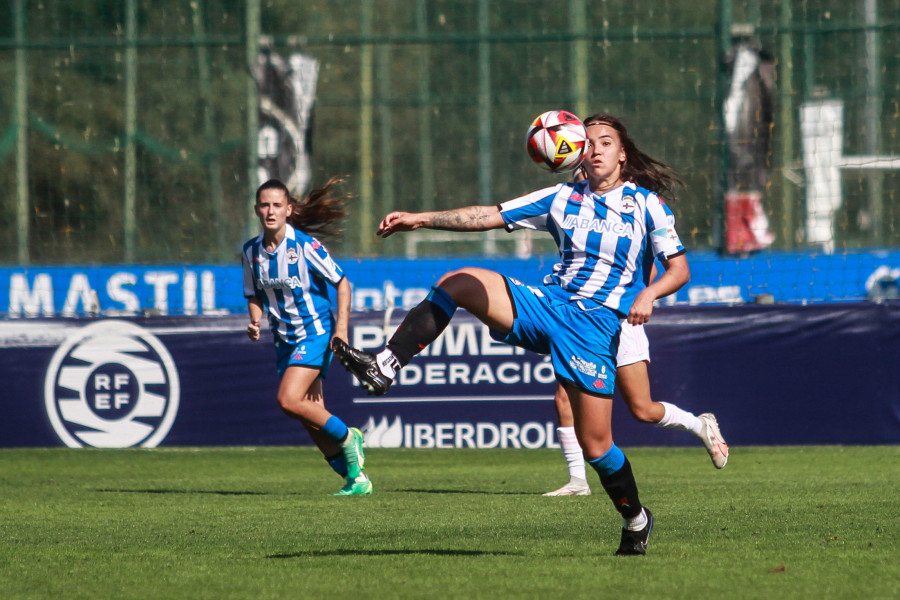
{"x": 644, "y": 413}
{"x": 293, "y": 407}
{"x": 285, "y": 406}
{"x": 462, "y": 284}
{"x": 460, "y": 277}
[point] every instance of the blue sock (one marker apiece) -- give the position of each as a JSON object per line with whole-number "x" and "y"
{"x": 442, "y": 300}
{"x": 609, "y": 463}
{"x": 335, "y": 429}
{"x": 338, "y": 464}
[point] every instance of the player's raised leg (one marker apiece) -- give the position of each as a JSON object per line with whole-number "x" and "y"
{"x": 480, "y": 291}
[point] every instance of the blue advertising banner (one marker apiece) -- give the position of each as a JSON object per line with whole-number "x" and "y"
{"x": 200, "y": 381}
{"x": 777, "y": 374}
{"x": 382, "y": 283}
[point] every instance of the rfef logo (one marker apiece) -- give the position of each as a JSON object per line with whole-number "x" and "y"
{"x": 112, "y": 384}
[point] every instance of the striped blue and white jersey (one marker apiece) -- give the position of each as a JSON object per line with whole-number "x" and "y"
{"x": 607, "y": 243}
{"x": 292, "y": 284}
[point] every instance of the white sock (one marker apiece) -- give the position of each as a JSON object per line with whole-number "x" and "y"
{"x": 387, "y": 363}
{"x": 637, "y": 523}
{"x": 677, "y": 418}
{"x": 572, "y": 452}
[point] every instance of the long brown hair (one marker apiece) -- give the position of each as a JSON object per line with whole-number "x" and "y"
{"x": 317, "y": 214}
{"x": 639, "y": 167}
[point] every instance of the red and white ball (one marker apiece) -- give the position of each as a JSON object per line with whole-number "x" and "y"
{"x": 556, "y": 141}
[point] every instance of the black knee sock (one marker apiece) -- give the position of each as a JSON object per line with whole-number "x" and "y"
{"x": 622, "y": 490}
{"x": 422, "y": 325}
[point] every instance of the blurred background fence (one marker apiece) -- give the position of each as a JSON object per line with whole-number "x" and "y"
{"x": 129, "y": 128}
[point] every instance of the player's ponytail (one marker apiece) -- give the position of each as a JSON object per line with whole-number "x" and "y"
{"x": 318, "y": 214}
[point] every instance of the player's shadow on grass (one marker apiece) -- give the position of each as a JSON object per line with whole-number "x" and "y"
{"x": 446, "y": 491}
{"x": 428, "y": 551}
{"x": 250, "y": 493}
{"x": 174, "y": 491}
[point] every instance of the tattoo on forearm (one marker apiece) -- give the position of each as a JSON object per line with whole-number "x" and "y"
{"x": 471, "y": 218}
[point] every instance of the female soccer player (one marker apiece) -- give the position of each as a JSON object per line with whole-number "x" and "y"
{"x": 633, "y": 384}
{"x": 609, "y": 229}
{"x": 286, "y": 277}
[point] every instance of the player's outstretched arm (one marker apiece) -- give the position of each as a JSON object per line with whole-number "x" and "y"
{"x": 469, "y": 218}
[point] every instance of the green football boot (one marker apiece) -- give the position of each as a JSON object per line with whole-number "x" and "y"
{"x": 355, "y": 488}
{"x": 353, "y": 453}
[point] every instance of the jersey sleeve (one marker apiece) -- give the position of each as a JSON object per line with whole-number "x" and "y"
{"x": 664, "y": 240}
{"x": 320, "y": 261}
{"x": 530, "y": 211}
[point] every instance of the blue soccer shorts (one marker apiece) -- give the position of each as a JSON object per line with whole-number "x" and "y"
{"x": 581, "y": 336}
{"x": 312, "y": 351}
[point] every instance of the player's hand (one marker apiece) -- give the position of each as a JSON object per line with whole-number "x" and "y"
{"x": 343, "y": 338}
{"x": 641, "y": 309}
{"x": 398, "y": 221}
{"x": 253, "y": 330}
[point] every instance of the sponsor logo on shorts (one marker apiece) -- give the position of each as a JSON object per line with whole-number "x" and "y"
{"x": 299, "y": 352}
{"x": 536, "y": 291}
{"x": 583, "y": 366}
{"x": 111, "y": 384}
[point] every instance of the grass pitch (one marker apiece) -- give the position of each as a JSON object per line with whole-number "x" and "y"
{"x": 798, "y": 522}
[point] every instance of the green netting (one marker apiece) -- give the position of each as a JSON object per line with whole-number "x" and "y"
{"x": 440, "y": 122}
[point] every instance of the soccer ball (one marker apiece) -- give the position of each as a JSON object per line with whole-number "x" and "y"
{"x": 556, "y": 141}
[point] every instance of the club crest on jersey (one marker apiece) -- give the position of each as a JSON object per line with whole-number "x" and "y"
{"x": 628, "y": 204}
{"x": 292, "y": 257}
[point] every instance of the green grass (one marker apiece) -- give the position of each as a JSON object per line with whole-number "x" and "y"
{"x": 798, "y": 522}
